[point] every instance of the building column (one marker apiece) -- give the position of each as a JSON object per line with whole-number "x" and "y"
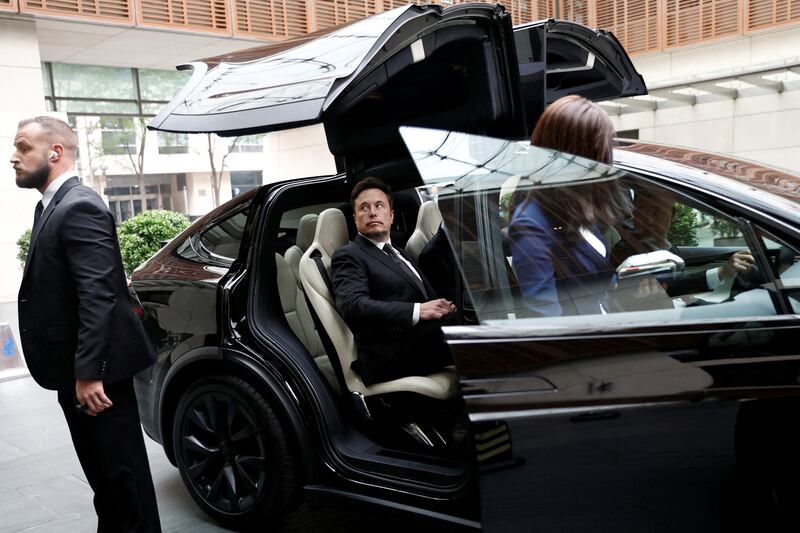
{"x": 21, "y": 96}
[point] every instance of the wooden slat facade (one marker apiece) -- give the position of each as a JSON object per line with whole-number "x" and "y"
{"x": 9, "y": 5}
{"x": 270, "y": 19}
{"x": 762, "y": 14}
{"x": 693, "y": 21}
{"x": 642, "y": 26}
{"x": 208, "y": 16}
{"x": 101, "y": 10}
{"x": 634, "y": 22}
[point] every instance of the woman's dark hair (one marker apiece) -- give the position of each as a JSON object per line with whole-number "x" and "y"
{"x": 370, "y": 182}
{"x": 577, "y": 126}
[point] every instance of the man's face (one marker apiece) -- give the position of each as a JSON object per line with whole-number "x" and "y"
{"x": 653, "y": 215}
{"x": 373, "y": 214}
{"x": 30, "y": 157}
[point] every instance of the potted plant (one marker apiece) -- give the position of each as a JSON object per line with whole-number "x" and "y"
{"x": 726, "y": 233}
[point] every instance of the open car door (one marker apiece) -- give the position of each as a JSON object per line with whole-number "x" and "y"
{"x": 414, "y": 65}
{"x": 616, "y": 410}
{"x": 557, "y": 58}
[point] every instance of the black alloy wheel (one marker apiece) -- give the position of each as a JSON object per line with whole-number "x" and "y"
{"x": 232, "y": 452}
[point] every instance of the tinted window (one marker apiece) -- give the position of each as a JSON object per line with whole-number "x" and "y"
{"x": 516, "y": 234}
{"x": 785, "y": 266}
{"x": 221, "y": 241}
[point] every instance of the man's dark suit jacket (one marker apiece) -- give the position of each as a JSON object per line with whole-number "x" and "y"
{"x": 376, "y": 299}
{"x": 75, "y": 313}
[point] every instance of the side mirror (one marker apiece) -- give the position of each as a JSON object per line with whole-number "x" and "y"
{"x": 652, "y": 263}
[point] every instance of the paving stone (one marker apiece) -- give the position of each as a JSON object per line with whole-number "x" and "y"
{"x": 50, "y": 437}
{"x": 22, "y": 512}
{"x": 10, "y": 452}
{"x": 86, "y": 523}
{"x": 66, "y": 497}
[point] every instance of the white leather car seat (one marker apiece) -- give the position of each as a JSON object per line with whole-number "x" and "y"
{"x": 331, "y": 234}
{"x": 305, "y": 235}
{"x": 299, "y": 318}
{"x": 428, "y": 220}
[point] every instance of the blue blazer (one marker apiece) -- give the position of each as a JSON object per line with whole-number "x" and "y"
{"x": 557, "y": 275}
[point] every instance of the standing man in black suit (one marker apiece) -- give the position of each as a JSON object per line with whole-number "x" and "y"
{"x": 79, "y": 334}
{"x": 390, "y": 307}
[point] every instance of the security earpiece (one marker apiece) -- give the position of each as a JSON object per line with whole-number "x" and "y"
{"x": 53, "y": 154}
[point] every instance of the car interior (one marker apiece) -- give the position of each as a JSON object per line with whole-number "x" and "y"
{"x": 694, "y": 234}
{"x": 412, "y": 426}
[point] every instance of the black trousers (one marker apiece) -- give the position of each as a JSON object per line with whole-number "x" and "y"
{"x": 111, "y": 451}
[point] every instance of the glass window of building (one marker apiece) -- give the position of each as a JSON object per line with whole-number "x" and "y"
{"x": 244, "y": 180}
{"x": 173, "y": 143}
{"x": 118, "y": 136}
{"x": 246, "y": 143}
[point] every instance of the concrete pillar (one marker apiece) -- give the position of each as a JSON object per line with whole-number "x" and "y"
{"x": 21, "y": 95}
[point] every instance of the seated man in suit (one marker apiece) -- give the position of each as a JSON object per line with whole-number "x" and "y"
{"x": 653, "y": 211}
{"x": 390, "y": 307}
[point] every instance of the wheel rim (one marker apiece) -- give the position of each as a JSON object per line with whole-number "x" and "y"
{"x": 224, "y": 454}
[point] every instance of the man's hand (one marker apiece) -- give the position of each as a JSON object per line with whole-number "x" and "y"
{"x": 435, "y": 309}
{"x": 90, "y": 393}
{"x": 649, "y": 287}
{"x": 738, "y": 263}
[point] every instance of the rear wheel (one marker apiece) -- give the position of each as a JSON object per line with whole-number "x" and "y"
{"x": 233, "y": 453}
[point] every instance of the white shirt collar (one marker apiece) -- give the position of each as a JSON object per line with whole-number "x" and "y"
{"x": 593, "y": 241}
{"x": 56, "y": 184}
{"x": 379, "y": 244}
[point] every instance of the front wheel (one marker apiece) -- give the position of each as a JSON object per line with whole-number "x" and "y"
{"x": 233, "y": 453}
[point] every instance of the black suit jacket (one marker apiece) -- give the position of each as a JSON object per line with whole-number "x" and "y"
{"x": 376, "y": 299}
{"x": 75, "y": 313}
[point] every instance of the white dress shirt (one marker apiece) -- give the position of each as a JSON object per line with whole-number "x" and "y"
{"x": 56, "y": 184}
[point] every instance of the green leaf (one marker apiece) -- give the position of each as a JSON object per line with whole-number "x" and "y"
{"x": 143, "y": 235}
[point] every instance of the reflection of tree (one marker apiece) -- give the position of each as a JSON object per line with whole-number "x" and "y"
{"x": 134, "y": 151}
{"x": 118, "y": 136}
{"x": 216, "y": 175}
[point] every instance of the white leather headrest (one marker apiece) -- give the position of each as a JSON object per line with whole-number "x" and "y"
{"x": 306, "y": 230}
{"x": 331, "y": 231}
{"x": 429, "y": 218}
{"x": 287, "y": 286}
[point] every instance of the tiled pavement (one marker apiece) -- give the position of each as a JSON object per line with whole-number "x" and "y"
{"x": 42, "y": 487}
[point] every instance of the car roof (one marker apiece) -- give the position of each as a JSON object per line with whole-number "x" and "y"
{"x": 751, "y": 184}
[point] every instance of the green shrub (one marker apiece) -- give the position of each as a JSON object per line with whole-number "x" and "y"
{"x": 23, "y": 244}
{"x": 723, "y": 228}
{"x": 683, "y": 230}
{"x": 143, "y": 235}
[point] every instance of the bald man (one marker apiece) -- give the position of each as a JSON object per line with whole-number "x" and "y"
{"x": 80, "y": 336}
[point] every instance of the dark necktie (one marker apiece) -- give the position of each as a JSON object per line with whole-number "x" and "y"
{"x": 391, "y": 252}
{"x": 37, "y": 214}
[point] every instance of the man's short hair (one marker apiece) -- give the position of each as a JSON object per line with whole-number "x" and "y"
{"x": 58, "y": 130}
{"x": 370, "y": 182}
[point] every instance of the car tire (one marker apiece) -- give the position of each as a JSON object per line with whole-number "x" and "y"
{"x": 233, "y": 454}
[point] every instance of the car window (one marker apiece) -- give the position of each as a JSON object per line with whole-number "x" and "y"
{"x": 221, "y": 241}
{"x": 784, "y": 262}
{"x": 522, "y": 257}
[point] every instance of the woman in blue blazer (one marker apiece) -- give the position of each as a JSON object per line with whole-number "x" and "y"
{"x": 559, "y": 255}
